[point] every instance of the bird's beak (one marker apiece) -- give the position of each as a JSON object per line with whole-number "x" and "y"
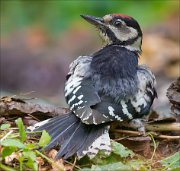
{"x": 93, "y": 20}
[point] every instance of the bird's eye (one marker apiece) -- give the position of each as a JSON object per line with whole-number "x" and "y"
{"x": 117, "y": 23}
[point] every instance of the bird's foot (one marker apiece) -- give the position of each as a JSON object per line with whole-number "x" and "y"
{"x": 138, "y": 124}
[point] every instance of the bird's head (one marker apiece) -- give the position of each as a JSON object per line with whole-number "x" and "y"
{"x": 118, "y": 29}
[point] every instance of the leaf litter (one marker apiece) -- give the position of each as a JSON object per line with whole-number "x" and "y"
{"x": 130, "y": 150}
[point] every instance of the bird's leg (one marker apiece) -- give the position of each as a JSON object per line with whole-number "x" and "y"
{"x": 138, "y": 124}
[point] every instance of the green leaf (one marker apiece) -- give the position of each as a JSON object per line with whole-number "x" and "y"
{"x": 176, "y": 169}
{"x": 29, "y": 154}
{"x": 6, "y": 168}
{"x": 5, "y": 126}
{"x": 22, "y": 131}
{"x": 31, "y": 162}
{"x": 12, "y": 143}
{"x": 8, "y": 151}
{"x": 136, "y": 164}
{"x": 32, "y": 146}
{"x": 119, "y": 149}
{"x": 172, "y": 162}
{"x": 86, "y": 169}
{"x": 101, "y": 159}
{"x": 21, "y": 159}
{"x": 118, "y": 166}
{"x": 119, "y": 153}
{"x": 45, "y": 139}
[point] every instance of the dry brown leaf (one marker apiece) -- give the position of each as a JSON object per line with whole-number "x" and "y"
{"x": 40, "y": 161}
{"x": 10, "y": 106}
{"x": 52, "y": 154}
{"x": 68, "y": 167}
{"x": 9, "y": 159}
{"x": 60, "y": 162}
{"x": 140, "y": 145}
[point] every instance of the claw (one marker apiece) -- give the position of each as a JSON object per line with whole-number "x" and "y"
{"x": 138, "y": 124}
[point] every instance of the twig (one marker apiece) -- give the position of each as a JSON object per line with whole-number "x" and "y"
{"x": 163, "y": 127}
{"x": 127, "y": 132}
{"x": 169, "y": 137}
{"x": 72, "y": 164}
{"x": 136, "y": 133}
{"x": 168, "y": 166}
{"x": 156, "y": 127}
{"x": 155, "y": 146}
{"x": 10, "y": 132}
{"x": 34, "y": 117}
{"x": 119, "y": 139}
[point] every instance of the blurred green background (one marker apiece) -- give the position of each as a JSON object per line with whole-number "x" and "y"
{"x": 40, "y": 38}
{"x": 58, "y": 15}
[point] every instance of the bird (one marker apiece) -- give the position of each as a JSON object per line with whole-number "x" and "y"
{"x": 101, "y": 88}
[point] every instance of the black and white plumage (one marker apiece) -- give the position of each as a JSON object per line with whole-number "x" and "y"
{"x": 104, "y": 87}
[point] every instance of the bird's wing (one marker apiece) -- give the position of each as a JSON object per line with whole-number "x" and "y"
{"x": 82, "y": 97}
{"x": 146, "y": 80}
{"x": 135, "y": 106}
{"x": 79, "y": 90}
{"x": 146, "y": 93}
{"x": 85, "y": 102}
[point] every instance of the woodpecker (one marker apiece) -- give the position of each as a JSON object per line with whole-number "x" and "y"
{"x": 106, "y": 86}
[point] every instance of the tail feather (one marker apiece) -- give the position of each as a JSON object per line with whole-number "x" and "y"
{"x": 57, "y": 126}
{"x": 91, "y": 134}
{"x": 70, "y": 144}
{"x": 85, "y": 137}
{"x": 75, "y": 137}
{"x": 101, "y": 143}
{"x": 53, "y": 130}
{"x": 60, "y": 136}
{"x": 52, "y": 121}
{"x": 60, "y": 126}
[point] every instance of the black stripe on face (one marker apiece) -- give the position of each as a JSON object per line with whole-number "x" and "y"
{"x": 115, "y": 40}
{"x": 112, "y": 36}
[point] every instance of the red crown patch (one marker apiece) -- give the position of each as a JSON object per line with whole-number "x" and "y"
{"x": 121, "y": 15}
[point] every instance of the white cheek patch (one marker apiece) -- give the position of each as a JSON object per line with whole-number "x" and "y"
{"x": 122, "y": 36}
